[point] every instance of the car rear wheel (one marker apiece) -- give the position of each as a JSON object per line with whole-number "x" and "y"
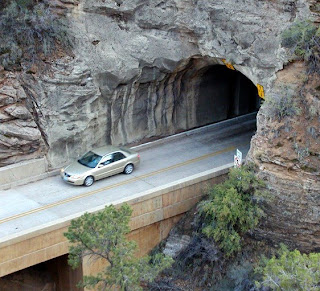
{"x": 88, "y": 181}
{"x": 128, "y": 169}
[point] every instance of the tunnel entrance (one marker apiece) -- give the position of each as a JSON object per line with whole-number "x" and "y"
{"x": 197, "y": 92}
{"x": 224, "y": 94}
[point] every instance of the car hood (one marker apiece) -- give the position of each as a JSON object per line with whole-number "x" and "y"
{"x": 76, "y": 169}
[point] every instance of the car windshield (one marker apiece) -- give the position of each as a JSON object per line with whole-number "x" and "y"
{"x": 90, "y": 160}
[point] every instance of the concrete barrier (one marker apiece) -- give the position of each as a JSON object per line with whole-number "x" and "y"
{"x": 23, "y": 173}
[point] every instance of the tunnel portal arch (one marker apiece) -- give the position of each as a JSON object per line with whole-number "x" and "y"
{"x": 160, "y": 102}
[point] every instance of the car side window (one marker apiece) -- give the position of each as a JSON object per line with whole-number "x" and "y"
{"x": 107, "y": 160}
{"x": 118, "y": 156}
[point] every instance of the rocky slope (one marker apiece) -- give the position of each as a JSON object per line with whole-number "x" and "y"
{"x": 288, "y": 154}
{"x": 137, "y": 72}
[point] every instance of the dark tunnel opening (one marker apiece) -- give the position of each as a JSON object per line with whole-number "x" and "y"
{"x": 224, "y": 94}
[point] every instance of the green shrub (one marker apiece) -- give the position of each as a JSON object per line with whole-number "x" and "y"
{"x": 303, "y": 39}
{"x": 29, "y": 33}
{"x": 290, "y": 271}
{"x": 102, "y": 236}
{"x": 231, "y": 210}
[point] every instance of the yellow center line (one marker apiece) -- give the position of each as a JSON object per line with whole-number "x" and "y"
{"x": 64, "y": 201}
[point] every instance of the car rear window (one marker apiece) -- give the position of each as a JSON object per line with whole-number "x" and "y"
{"x": 118, "y": 156}
{"x": 126, "y": 150}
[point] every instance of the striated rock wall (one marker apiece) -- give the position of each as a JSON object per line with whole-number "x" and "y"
{"x": 20, "y": 135}
{"x": 138, "y": 66}
{"x": 287, "y": 151}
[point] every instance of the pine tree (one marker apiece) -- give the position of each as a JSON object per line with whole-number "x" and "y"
{"x": 102, "y": 236}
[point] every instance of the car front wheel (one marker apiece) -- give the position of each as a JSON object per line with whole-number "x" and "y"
{"x": 128, "y": 169}
{"x": 88, "y": 181}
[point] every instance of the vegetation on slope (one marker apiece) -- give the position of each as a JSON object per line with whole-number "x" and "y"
{"x": 290, "y": 270}
{"x": 303, "y": 40}
{"x": 219, "y": 255}
{"x": 30, "y": 32}
{"x": 284, "y": 104}
{"x": 230, "y": 210}
{"x": 222, "y": 256}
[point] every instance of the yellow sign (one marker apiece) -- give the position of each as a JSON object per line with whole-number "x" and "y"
{"x": 228, "y": 65}
{"x": 260, "y": 91}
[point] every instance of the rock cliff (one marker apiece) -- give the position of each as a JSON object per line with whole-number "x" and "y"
{"x": 20, "y": 137}
{"x": 140, "y": 70}
{"x": 138, "y": 64}
{"x": 288, "y": 154}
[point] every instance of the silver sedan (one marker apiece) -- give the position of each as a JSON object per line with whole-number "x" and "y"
{"x": 100, "y": 163}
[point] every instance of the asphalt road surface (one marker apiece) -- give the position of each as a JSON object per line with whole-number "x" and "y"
{"x": 163, "y": 161}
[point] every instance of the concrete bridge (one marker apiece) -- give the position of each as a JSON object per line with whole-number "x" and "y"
{"x": 170, "y": 180}
{"x": 154, "y": 213}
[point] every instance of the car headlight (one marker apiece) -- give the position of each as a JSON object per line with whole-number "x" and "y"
{"x": 76, "y": 176}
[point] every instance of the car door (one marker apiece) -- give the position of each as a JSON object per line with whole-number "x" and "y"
{"x": 105, "y": 167}
{"x": 120, "y": 161}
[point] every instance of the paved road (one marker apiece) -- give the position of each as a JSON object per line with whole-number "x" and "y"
{"x": 162, "y": 162}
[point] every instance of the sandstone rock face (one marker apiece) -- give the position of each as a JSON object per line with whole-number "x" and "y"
{"x": 140, "y": 66}
{"x": 73, "y": 115}
{"x": 287, "y": 151}
{"x": 20, "y": 137}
